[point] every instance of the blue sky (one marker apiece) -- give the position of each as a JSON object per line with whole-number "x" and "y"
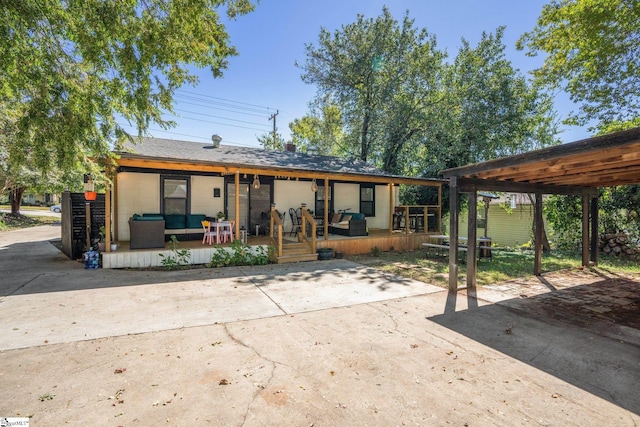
{"x": 263, "y": 78}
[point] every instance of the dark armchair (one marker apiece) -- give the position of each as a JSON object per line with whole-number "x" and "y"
{"x": 146, "y": 233}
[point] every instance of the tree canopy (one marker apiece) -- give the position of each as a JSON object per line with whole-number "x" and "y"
{"x": 73, "y": 70}
{"x": 592, "y": 50}
{"x": 404, "y": 108}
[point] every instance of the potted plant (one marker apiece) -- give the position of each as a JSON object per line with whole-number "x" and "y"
{"x": 101, "y": 243}
{"x": 221, "y": 216}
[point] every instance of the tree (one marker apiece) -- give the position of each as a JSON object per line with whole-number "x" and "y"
{"x": 592, "y": 52}
{"x": 73, "y": 70}
{"x": 269, "y": 141}
{"x": 319, "y": 132}
{"x": 381, "y": 74}
{"x": 491, "y": 109}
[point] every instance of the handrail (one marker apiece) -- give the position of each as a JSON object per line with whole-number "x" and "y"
{"x": 307, "y": 217}
{"x": 404, "y": 210}
{"x": 275, "y": 220}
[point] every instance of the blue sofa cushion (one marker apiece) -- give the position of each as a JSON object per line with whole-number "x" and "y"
{"x": 357, "y": 215}
{"x": 174, "y": 221}
{"x": 194, "y": 220}
{"x": 147, "y": 217}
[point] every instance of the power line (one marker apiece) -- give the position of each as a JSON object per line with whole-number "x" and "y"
{"x": 224, "y": 99}
{"x": 220, "y": 117}
{"x": 193, "y": 136}
{"x": 215, "y": 123}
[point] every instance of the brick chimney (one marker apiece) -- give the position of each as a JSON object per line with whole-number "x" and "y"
{"x": 290, "y": 147}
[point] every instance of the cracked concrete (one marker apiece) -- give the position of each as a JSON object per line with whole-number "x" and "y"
{"x": 314, "y": 344}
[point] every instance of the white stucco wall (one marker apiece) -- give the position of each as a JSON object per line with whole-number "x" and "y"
{"x": 137, "y": 193}
{"x": 202, "y": 200}
{"x": 348, "y": 196}
{"x": 291, "y": 194}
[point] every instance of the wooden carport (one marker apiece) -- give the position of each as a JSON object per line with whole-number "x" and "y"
{"x": 577, "y": 168}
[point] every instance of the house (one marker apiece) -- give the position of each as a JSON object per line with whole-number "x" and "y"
{"x": 248, "y": 185}
{"x": 510, "y": 220}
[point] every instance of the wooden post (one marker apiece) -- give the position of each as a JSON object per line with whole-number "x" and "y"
{"x": 538, "y": 224}
{"x": 326, "y": 209}
{"x": 391, "y": 208}
{"x": 303, "y": 225}
{"x": 585, "y": 230}
{"x": 237, "y": 219}
{"x": 471, "y": 242}
{"x": 439, "y": 209}
{"x": 594, "y": 231}
{"x": 87, "y": 221}
{"x": 407, "y": 221}
{"x": 107, "y": 215}
{"x": 453, "y": 234}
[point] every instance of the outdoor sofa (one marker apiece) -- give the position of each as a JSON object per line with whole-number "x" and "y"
{"x": 146, "y": 233}
{"x": 348, "y": 224}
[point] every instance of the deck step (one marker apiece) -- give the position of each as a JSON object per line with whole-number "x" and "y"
{"x": 296, "y": 252}
{"x": 296, "y": 258}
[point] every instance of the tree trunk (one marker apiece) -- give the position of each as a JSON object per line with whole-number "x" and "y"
{"x": 545, "y": 242}
{"x": 15, "y": 198}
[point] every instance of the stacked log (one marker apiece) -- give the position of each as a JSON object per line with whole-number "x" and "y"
{"x": 618, "y": 245}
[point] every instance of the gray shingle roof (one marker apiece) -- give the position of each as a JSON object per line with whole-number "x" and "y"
{"x": 169, "y": 149}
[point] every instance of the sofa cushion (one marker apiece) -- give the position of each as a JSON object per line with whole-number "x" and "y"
{"x": 345, "y": 218}
{"x": 174, "y": 221}
{"x": 336, "y": 217}
{"x": 195, "y": 220}
{"x": 357, "y": 215}
{"x": 147, "y": 217}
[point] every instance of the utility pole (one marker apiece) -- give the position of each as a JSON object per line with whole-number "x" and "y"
{"x": 273, "y": 116}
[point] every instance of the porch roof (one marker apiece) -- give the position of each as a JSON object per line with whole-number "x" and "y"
{"x": 157, "y": 153}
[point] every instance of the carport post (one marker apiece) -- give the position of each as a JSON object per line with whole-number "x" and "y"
{"x": 585, "y": 230}
{"x": 453, "y": 234}
{"x": 594, "y": 231}
{"x": 537, "y": 221}
{"x": 471, "y": 242}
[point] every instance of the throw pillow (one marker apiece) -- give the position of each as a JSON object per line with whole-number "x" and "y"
{"x": 346, "y": 218}
{"x": 336, "y": 217}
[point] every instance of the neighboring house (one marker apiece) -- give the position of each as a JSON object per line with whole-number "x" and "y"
{"x": 36, "y": 199}
{"x": 510, "y": 220}
{"x": 168, "y": 176}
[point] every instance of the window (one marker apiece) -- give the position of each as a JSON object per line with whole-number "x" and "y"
{"x": 175, "y": 195}
{"x": 319, "y": 205}
{"x": 368, "y": 199}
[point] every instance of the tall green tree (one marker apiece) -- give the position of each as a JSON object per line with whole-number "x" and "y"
{"x": 73, "y": 69}
{"x": 490, "y": 109}
{"x": 592, "y": 51}
{"x": 369, "y": 68}
{"x": 320, "y": 131}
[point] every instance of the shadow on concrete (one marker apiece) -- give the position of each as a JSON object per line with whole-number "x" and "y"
{"x": 586, "y": 335}
{"x": 38, "y": 266}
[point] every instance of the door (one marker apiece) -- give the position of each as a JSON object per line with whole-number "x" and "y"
{"x": 243, "y": 218}
{"x": 255, "y": 205}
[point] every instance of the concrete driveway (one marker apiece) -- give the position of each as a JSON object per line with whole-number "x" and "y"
{"x": 313, "y": 344}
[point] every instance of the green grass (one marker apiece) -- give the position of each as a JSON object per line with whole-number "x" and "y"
{"x": 26, "y": 208}
{"x": 9, "y": 222}
{"x": 505, "y": 265}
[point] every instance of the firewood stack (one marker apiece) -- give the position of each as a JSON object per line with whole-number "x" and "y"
{"x": 618, "y": 245}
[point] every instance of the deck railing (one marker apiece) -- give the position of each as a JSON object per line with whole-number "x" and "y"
{"x": 308, "y": 218}
{"x": 276, "y": 230}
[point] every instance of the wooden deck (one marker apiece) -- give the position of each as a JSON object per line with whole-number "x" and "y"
{"x": 124, "y": 257}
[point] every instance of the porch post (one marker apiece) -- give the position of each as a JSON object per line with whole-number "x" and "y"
{"x": 237, "y": 218}
{"x": 440, "y": 209}
{"x": 594, "y": 231}
{"x": 326, "y": 209}
{"x": 391, "y": 208}
{"x": 453, "y": 234}
{"x": 107, "y": 215}
{"x": 471, "y": 242}
{"x": 585, "y": 230}
{"x": 537, "y": 223}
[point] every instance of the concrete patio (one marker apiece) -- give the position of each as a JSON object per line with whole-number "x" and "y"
{"x": 321, "y": 343}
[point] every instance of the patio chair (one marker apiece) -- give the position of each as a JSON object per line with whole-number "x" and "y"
{"x": 208, "y": 234}
{"x": 295, "y": 222}
{"x": 226, "y": 231}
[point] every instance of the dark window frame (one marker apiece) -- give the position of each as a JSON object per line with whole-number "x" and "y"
{"x": 186, "y": 178}
{"x": 368, "y": 212}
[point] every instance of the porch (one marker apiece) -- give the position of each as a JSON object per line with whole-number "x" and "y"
{"x": 125, "y": 257}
